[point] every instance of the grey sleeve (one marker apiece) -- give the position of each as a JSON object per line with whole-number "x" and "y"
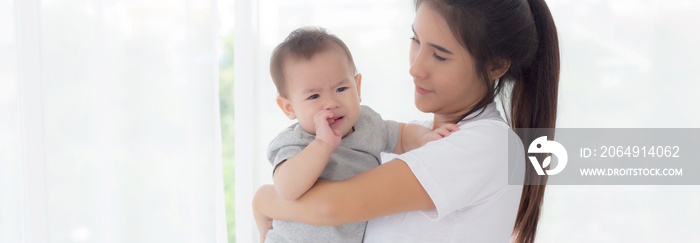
{"x": 287, "y": 144}
{"x": 391, "y": 129}
{"x": 281, "y": 154}
{"x": 386, "y": 131}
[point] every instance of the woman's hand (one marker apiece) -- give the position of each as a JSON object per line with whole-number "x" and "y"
{"x": 264, "y": 224}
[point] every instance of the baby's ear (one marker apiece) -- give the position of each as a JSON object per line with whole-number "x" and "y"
{"x": 358, "y": 82}
{"x": 286, "y": 107}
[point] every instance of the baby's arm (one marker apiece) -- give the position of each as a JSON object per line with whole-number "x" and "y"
{"x": 412, "y": 136}
{"x": 296, "y": 175}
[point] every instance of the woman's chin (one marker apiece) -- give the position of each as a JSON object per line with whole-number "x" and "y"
{"x": 422, "y": 106}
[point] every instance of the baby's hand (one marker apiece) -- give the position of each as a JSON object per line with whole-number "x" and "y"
{"x": 324, "y": 131}
{"x": 440, "y": 132}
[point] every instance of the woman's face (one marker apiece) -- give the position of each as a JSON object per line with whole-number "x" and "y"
{"x": 442, "y": 69}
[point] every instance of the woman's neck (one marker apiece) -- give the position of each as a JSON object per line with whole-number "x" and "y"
{"x": 442, "y": 119}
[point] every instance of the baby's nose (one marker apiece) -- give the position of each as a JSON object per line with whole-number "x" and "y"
{"x": 332, "y": 104}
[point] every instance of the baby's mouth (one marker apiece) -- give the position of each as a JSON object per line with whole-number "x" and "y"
{"x": 332, "y": 121}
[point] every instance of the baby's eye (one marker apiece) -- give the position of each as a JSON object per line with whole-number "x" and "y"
{"x": 313, "y": 97}
{"x": 341, "y": 89}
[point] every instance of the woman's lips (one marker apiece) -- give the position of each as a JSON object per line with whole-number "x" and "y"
{"x": 421, "y": 91}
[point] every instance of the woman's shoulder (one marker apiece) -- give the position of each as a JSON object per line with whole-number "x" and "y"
{"x": 485, "y": 127}
{"x": 481, "y": 139}
{"x": 485, "y": 124}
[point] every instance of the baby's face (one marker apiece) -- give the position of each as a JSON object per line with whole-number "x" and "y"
{"x": 326, "y": 81}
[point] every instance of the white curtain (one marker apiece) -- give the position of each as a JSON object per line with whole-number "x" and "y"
{"x": 109, "y": 122}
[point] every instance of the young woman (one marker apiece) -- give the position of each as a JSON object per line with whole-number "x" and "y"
{"x": 464, "y": 54}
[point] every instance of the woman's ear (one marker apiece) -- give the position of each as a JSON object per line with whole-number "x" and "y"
{"x": 498, "y": 68}
{"x": 358, "y": 82}
{"x": 286, "y": 107}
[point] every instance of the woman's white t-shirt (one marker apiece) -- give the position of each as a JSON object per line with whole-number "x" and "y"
{"x": 466, "y": 176}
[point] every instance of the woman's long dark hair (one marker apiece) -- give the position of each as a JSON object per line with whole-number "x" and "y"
{"x": 523, "y": 33}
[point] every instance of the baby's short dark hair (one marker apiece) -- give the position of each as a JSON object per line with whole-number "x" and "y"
{"x": 304, "y": 43}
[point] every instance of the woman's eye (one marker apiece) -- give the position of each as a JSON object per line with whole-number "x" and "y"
{"x": 341, "y": 89}
{"x": 439, "y": 58}
{"x": 415, "y": 40}
{"x": 313, "y": 97}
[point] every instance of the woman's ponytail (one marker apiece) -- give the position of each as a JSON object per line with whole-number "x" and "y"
{"x": 534, "y": 105}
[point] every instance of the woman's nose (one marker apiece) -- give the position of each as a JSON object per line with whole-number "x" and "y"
{"x": 417, "y": 69}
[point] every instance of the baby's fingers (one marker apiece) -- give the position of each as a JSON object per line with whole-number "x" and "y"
{"x": 323, "y": 116}
{"x": 451, "y": 127}
{"x": 442, "y": 131}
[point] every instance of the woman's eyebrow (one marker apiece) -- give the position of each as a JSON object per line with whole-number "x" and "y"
{"x": 439, "y": 48}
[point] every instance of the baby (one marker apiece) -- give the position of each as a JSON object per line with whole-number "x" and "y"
{"x": 335, "y": 137}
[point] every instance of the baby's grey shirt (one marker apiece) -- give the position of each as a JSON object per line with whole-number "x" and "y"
{"x": 357, "y": 152}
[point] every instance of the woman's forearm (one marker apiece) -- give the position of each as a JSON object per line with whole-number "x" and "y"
{"x": 309, "y": 210}
{"x": 387, "y": 189}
